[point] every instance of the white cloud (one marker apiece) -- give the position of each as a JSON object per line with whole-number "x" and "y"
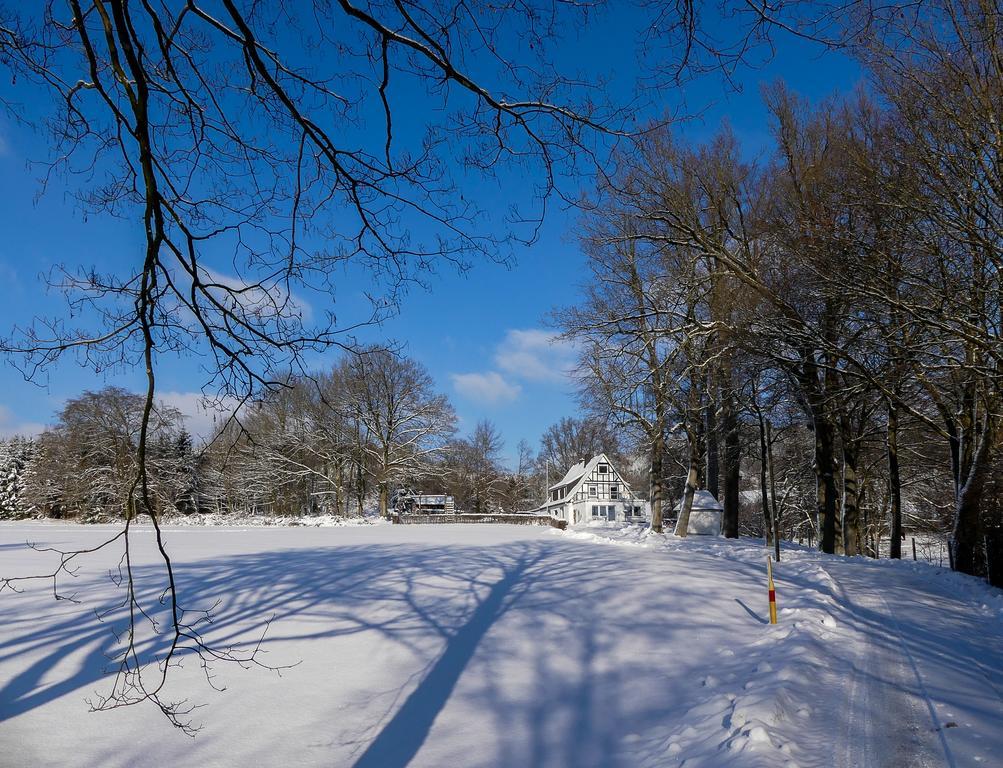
{"x": 536, "y": 355}
{"x": 488, "y": 388}
{"x": 202, "y": 415}
{"x": 12, "y": 426}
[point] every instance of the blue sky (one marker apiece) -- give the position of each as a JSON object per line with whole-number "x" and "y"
{"x": 482, "y": 334}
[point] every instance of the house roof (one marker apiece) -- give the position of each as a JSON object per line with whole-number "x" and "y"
{"x": 575, "y": 477}
{"x": 572, "y": 474}
{"x": 579, "y": 470}
{"x": 702, "y": 499}
{"x": 576, "y": 474}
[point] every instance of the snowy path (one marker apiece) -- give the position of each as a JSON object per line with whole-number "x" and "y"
{"x": 519, "y": 647}
{"x": 889, "y": 721}
{"x": 922, "y": 692}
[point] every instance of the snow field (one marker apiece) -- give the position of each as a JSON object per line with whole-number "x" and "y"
{"x": 476, "y": 645}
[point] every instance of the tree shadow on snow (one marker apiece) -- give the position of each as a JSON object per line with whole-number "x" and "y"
{"x": 570, "y": 640}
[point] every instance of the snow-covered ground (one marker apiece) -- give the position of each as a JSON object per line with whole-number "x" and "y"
{"x": 517, "y": 646}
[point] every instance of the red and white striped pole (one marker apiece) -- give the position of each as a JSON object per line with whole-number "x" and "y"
{"x": 773, "y": 591}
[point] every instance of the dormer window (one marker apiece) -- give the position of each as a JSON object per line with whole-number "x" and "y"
{"x": 603, "y": 469}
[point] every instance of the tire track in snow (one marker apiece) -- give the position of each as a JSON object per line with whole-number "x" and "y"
{"x": 922, "y": 686}
{"x": 854, "y": 752}
{"x": 886, "y": 725}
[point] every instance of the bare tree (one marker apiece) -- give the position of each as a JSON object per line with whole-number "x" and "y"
{"x": 89, "y": 458}
{"x": 405, "y": 423}
{"x": 942, "y": 73}
{"x": 629, "y": 352}
{"x": 475, "y": 465}
{"x": 571, "y": 440}
{"x": 523, "y": 486}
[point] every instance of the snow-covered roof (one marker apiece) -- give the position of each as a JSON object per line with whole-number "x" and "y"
{"x": 572, "y": 474}
{"x": 574, "y": 477}
{"x": 579, "y": 470}
{"x": 702, "y": 499}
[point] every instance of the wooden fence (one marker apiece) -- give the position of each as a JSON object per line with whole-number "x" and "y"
{"x": 461, "y": 517}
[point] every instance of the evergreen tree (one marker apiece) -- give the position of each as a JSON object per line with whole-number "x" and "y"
{"x": 15, "y": 458}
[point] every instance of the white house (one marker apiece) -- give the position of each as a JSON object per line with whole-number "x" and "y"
{"x": 593, "y": 490}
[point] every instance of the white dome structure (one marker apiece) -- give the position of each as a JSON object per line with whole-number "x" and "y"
{"x": 705, "y": 514}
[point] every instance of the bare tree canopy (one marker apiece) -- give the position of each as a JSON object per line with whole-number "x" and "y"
{"x": 854, "y": 272}
{"x": 571, "y": 440}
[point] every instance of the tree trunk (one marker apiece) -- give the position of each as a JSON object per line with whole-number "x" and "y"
{"x": 657, "y": 481}
{"x": 966, "y": 533}
{"x": 773, "y": 492}
{"x": 852, "y": 543}
{"x": 710, "y": 429}
{"x": 764, "y": 497}
{"x": 866, "y": 538}
{"x": 825, "y": 483}
{"x": 894, "y": 482}
{"x": 683, "y": 521}
{"x": 732, "y": 468}
{"x": 339, "y": 481}
{"x": 994, "y": 557}
{"x": 954, "y": 442}
{"x": 384, "y": 500}
{"x": 360, "y": 488}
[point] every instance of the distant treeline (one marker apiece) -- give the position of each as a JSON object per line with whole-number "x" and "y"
{"x": 366, "y": 432}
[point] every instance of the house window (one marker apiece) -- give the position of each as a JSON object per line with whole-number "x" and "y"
{"x": 604, "y": 511}
{"x": 603, "y": 469}
{"x": 592, "y": 491}
{"x": 554, "y": 495}
{"x": 614, "y": 492}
